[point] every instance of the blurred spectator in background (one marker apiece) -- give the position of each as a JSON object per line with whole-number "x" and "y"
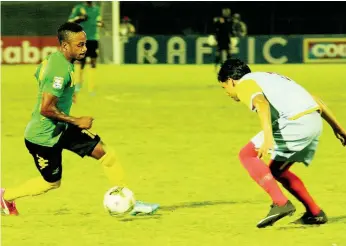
{"x": 88, "y": 15}
{"x": 226, "y": 14}
{"x": 222, "y": 32}
{"x": 239, "y": 28}
{"x": 126, "y": 28}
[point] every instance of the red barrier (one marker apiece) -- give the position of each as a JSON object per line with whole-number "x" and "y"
{"x": 27, "y": 50}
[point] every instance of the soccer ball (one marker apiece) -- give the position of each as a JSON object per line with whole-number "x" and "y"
{"x": 119, "y": 201}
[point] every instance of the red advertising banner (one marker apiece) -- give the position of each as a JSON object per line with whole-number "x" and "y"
{"x": 27, "y": 50}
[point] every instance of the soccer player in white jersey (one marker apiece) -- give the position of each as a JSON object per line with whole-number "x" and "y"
{"x": 291, "y": 120}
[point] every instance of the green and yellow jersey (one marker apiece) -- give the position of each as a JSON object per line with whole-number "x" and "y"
{"x": 55, "y": 76}
{"x": 91, "y": 24}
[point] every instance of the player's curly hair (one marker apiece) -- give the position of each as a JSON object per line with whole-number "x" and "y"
{"x": 234, "y": 69}
{"x": 67, "y": 28}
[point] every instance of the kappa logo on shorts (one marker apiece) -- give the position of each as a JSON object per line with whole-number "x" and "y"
{"x": 42, "y": 162}
{"x": 58, "y": 82}
{"x": 56, "y": 171}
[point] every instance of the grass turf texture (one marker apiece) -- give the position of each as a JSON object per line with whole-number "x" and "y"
{"x": 178, "y": 136}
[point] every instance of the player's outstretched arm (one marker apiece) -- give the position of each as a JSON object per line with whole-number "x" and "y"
{"x": 328, "y": 116}
{"x": 49, "y": 110}
{"x": 78, "y": 15}
{"x": 263, "y": 109}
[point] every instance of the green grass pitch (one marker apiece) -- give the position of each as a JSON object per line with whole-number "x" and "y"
{"x": 177, "y": 135}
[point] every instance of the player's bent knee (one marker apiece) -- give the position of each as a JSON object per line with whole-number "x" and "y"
{"x": 248, "y": 151}
{"x": 53, "y": 179}
{"x": 99, "y": 151}
{"x": 275, "y": 170}
{"x": 55, "y": 185}
{"x": 52, "y": 185}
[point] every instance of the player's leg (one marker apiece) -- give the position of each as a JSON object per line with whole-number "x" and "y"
{"x": 261, "y": 174}
{"x": 93, "y": 47}
{"x": 111, "y": 165}
{"x": 86, "y": 143}
{"x": 298, "y": 142}
{"x": 115, "y": 174}
{"x": 259, "y": 171}
{"x": 48, "y": 162}
{"x": 80, "y": 82}
{"x": 314, "y": 214}
{"x": 228, "y": 51}
{"x": 218, "y": 54}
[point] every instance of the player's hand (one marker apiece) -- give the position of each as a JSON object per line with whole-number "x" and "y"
{"x": 81, "y": 18}
{"x": 266, "y": 146}
{"x": 341, "y": 135}
{"x": 84, "y": 122}
{"x": 100, "y": 24}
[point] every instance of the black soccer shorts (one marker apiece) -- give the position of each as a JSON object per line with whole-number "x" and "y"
{"x": 48, "y": 160}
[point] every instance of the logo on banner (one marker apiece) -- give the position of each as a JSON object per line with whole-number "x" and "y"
{"x": 324, "y": 50}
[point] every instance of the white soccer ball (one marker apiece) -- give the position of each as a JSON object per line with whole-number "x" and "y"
{"x": 119, "y": 201}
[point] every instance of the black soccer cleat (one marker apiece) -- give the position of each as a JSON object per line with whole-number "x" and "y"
{"x": 309, "y": 219}
{"x": 276, "y": 213}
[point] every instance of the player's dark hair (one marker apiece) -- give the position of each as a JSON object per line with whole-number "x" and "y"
{"x": 234, "y": 69}
{"x": 67, "y": 28}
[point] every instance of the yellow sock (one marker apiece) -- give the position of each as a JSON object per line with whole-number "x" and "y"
{"x": 91, "y": 81}
{"x": 33, "y": 187}
{"x": 113, "y": 170}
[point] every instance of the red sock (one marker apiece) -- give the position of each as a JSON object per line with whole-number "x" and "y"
{"x": 261, "y": 173}
{"x": 296, "y": 187}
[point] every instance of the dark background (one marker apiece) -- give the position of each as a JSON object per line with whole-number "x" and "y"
{"x": 262, "y": 18}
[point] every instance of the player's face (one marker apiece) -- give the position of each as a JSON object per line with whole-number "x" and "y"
{"x": 230, "y": 89}
{"x": 77, "y": 45}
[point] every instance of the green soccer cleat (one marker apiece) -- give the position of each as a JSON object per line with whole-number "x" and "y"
{"x": 144, "y": 208}
{"x": 309, "y": 219}
{"x": 276, "y": 213}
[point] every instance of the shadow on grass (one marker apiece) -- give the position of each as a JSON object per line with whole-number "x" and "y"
{"x": 140, "y": 217}
{"x": 331, "y": 220}
{"x": 295, "y": 227}
{"x": 200, "y": 204}
{"x": 185, "y": 205}
{"x": 164, "y": 209}
{"x": 337, "y": 219}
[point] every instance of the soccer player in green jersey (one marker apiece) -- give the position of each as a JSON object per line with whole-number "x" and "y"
{"x": 52, "y": 128}
{"x": 89, "y": 17}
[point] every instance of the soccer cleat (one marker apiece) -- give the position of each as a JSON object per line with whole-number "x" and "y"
{"x": 7, "y": 208}
{"x": 144, "y": 208}
{"x": 276, "y": 213}
{"x": 309, "y": 219}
